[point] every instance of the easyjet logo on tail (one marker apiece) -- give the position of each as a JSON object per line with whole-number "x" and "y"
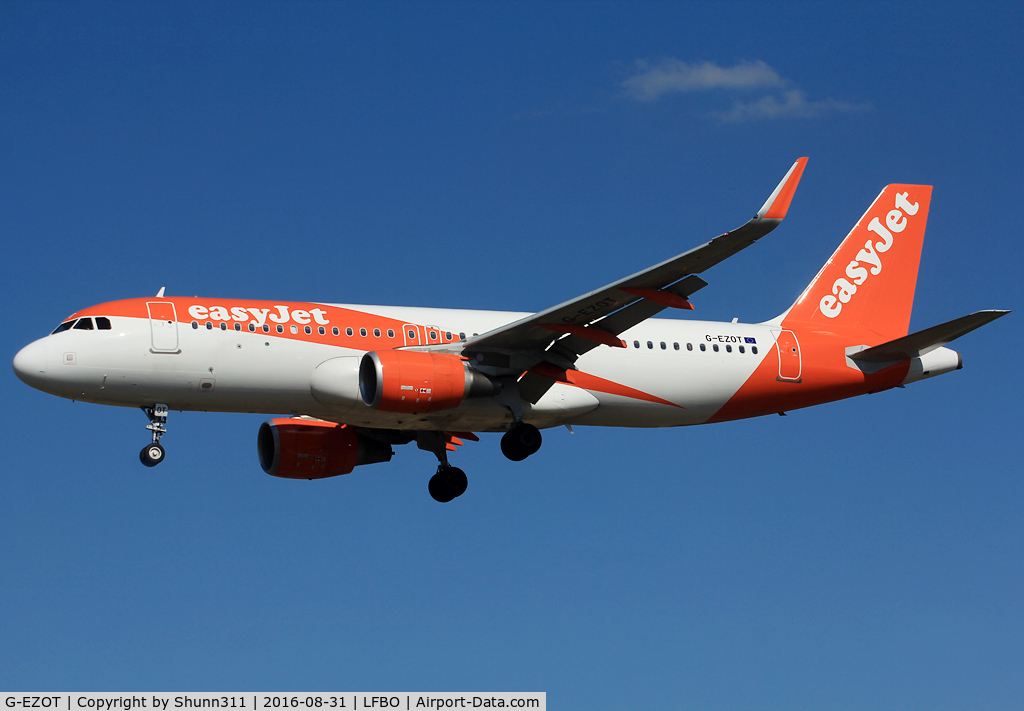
{"x": 869, "y": 260}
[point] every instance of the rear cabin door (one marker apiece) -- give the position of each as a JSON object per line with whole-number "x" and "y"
{"x": 164, "y": 324}
{"x": 788, "y": 348}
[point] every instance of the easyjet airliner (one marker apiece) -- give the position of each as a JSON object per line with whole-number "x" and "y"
{"x": 357, "y": 380}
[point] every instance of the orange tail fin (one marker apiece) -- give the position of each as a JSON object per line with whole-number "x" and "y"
{"x": 869, "y": 282}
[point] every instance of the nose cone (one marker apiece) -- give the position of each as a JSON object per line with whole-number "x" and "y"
{"x": 30, "y": 364}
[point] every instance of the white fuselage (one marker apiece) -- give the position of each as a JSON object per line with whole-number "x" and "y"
{"x": 239, "y": 371}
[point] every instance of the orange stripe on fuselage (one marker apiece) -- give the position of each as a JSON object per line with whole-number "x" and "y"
{"x": 825, "y": 377}
{"x": 586, "y": 381}
{"x": 332, "y": 316}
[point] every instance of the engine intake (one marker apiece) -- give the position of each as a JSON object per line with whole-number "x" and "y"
{"x": 313, "y": 449}
{"x": 414, "y": 381}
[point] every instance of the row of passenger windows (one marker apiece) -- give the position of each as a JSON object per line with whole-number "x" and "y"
{"x": 308, "y": 330}
{"x": 689, "y": 347}
{"x": 84, "y": 324}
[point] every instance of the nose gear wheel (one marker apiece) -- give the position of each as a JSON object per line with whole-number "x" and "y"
{"x": 153, "y": 453}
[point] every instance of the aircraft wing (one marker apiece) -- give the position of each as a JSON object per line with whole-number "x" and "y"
{"x": 562, "y": 333}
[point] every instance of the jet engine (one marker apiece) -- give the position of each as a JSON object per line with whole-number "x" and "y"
{"x": 415, "y": 381}
{"x": 295, "y": 448}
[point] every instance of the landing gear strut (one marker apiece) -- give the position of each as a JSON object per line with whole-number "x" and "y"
{"x": 521, "y": 441}
{"x": 153, "y": 453}
{"x": 449, "y": 482}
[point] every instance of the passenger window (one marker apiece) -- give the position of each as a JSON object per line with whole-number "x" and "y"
{"x": 252, "y": 326}
{"x": 376, "y": 333}
{"x": 362, "y": 332}
{"x": 84, "y": 324}
{"x": 322, "y": 331}
{"x": 650, "y": 344}
{"x": 703, "y": 347}
{"x": 689, "y": 346}
{"x": 308, "y": 330}
{"x": 433, "y": 335}
{"x": 64, "y": 326}
{"x": 266, "y": 328}
{"x": 663, "y": 347}
{"x": 753, "y": 349}
{"x": 195, "y": 325}
{"x": 715, "y": 347}
{"x": 636, "y": 344}
{"x": 238, "y": 327}
{"x": 742, "y": 350}
{"x": 335, "y": 331}
{"x": 675, "y": 346}
{"x": 391, "y": 333}
{"x": 448, "y": 336}
{"x": 280, "y": 328}
{"x": 412, "y": 335}
{"x": 103, "y": 323}
{"x": 728, "y": 349}
{"x": 223, "y": 326}
{"x": 348, "y": 331}
{"x": 462, "y": 336}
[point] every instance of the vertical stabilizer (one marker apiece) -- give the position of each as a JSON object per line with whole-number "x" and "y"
{"x": 869, "y": 282}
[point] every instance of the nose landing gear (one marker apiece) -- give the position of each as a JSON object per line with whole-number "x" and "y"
{"x": 153, "y": 453}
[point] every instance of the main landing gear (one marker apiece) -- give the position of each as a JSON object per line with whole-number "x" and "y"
{"x": 449, "y": 482}
{"x": 153, "y": 453}
{"x": 521, "y": 441}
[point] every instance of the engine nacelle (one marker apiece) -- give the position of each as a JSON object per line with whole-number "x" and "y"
{"x": 312, "y": 449}
{"x": 335, "y": 383}
{"x": 415, "y": 381}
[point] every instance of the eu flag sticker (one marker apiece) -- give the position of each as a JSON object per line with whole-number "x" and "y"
{"x": 749, "y": 340}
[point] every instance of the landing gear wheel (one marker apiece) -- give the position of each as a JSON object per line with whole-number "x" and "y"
{"x": 449, "y": 483}
{"x": 152, "y": 454}
{"x": 520, "y": 442}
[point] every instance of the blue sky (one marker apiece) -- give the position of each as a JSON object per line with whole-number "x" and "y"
{"x": 864, "y": 554}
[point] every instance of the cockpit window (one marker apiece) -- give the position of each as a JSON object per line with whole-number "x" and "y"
{"x": 103, "y": 323}
{"x": 84, "y": 324}
{"x": 64, "y": 326}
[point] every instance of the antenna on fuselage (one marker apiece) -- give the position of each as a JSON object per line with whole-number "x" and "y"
{"x": 160, "y": 294}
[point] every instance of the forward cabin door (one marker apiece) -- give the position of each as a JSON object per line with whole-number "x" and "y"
{"x": 788, "y": 348}
{"x": 164, "y": 324}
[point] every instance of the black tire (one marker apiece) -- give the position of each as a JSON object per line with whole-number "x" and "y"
{"x": 511, "y": 449}
{"x": 152, "y": 454}
{"x": 521, "y": 441}
{"x": 457, "y": 481}
{"x": 438, "y": 488}
{"x": 448, "y": 484}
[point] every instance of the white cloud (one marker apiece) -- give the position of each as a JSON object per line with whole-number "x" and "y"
{"x": 672, "y": 76}
{"x": 793, "y": 104}
{"x": 779, "y": 97}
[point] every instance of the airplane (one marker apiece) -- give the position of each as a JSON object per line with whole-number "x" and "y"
{"x": 358, "y": 380}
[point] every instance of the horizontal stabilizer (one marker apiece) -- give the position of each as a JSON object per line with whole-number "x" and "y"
{"x": 917, "y": 344}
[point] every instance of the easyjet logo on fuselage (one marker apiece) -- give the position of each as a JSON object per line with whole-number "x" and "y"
{"x": 869, "y": 259}
{"x": 284, "y": 314}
